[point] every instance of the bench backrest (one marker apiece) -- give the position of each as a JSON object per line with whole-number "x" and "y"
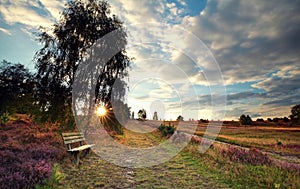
{"x": 74, "y": 137}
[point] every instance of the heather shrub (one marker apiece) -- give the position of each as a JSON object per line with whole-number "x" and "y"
{"x": 53, "y": 180}
{"x": 251, "y": 156}
{"x": 27, "y": 154}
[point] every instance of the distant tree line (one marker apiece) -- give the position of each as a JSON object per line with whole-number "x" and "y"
{"x": 294, "y": 118}
{"x": 18, "y": 87}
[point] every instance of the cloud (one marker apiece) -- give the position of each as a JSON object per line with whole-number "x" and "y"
{"x": 243, "y": 34}
{"x": 28, "y": 13}
{"x": 54, "y": 7}
{"x": 244, "y": 95}
{"x": 5, "y": 31}
{"x": 252, "y": 41}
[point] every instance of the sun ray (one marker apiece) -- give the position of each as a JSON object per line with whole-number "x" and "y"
{"x": 101, "y": 111}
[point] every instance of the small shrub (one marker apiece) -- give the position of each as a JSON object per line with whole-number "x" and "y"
{"x": 166, "y": 130}
{"x": 27, "y": 153}
{"x": 251, "y": 156}
{"x": 279, "y": 143}
{"x": 4, "y": 118}
{"x": 53, "y": 180}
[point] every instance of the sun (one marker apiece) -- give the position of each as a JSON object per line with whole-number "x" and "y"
{"x": 101, "y": 111}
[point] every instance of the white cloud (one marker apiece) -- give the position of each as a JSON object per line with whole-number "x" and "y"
{"x": 252, "y": 41}
{"x": 23, "y": 13}
{"x": 5, "y": 31}
{"x": 54, "y": 7}
{"x": 182, "y": 2}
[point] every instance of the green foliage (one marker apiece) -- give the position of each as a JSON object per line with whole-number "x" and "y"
{"x": 53, "y": 180}
{"x": 65, "y": 47}
{"x": 245, "y": 120}
{"x": 4, "y": 118}
{"x": 166, "y": 130}
{"x": 17, "y": 86}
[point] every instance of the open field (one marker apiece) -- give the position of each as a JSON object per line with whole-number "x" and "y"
{"x": 220, "y": 167}
{"x": 283, "y": 140}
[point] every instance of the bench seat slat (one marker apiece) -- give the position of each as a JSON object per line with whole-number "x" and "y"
{"x": 73, "y": 137}
{"x": 81, "y": 148}
{"x": 72, "y": 134}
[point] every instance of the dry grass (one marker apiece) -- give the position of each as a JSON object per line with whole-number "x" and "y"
{"x": 284, "y": 140}
{"x": 189, "y": 168}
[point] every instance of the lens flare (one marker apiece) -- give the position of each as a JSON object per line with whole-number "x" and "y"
{"x": 101, "y": 111}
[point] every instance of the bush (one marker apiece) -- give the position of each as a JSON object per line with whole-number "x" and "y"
{"x": 53, "y": 180}
{"x": 251, "y": 156}
{"x": 166, "y": 130}
{"x": 27, "y": 154}
{"x": 4, "y": 118}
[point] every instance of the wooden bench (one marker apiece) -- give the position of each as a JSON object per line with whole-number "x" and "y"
{"x": 75, "y": 142}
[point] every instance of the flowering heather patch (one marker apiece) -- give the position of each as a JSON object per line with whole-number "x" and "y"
{"x": 251, "y": 156}
{"x": 292, "y": 146}
{"x": 27, "y": 154}
{"x": 288, "y": 166}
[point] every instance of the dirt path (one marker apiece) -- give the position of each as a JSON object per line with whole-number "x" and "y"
{"x": 183, "y": 171}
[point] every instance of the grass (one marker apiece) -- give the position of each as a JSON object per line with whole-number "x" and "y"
{"x": 188, "y": 169}
{"x": 284, "y": 140}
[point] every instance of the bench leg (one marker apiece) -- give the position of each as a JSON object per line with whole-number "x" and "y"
{"x": 86, "y": 152}
{"x": 76, "y": 156}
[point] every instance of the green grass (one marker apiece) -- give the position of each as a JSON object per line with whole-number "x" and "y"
{"x": 188, "y": 169}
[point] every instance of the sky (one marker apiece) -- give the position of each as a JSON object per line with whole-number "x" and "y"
{"x": 211, "y": 59}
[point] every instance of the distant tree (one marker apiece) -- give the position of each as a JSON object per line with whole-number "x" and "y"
{"x": 295, "y": 116}
{"x": 269, "y": 119}
{"x": 260, "y": 120}
{"x": 276, "y": 119}
{"x": 285, "y": 119}
{"x": 245, "y": 120}
{"x": 203, "y": 121}
{"x": 82, "y": 23}
{"x": 17, "y": 88}
{"x": 132, "y": 115}
{"x": 142, "y": 114}
{"x": 179, "y": 118}
{"x": 155, "y": 117}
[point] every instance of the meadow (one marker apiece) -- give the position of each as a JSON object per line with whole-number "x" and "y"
{"x": 242, "y": 157}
